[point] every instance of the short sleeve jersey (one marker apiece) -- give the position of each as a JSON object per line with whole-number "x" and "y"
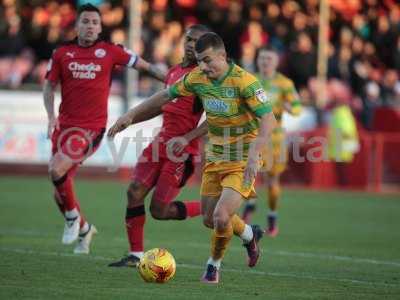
{"x": 181, "y": 115}
{"x": 232, "y": 104}
{"x": 280, "y": 90}
{"x": 85, "y": 77}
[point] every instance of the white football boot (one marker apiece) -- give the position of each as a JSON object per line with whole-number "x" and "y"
{"x": 83, "y": 246}
{"x": 71, "y": 230}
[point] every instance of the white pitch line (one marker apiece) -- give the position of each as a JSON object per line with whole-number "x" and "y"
{"x": 312, "y": 255}
{"x": 198, "y": 267}
{"x": 234, "y": 248}
{"x": 337, "y": 257}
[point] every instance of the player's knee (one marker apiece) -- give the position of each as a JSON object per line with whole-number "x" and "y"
{"x": 221, "y": 220}
{"x": 56, "y": 170}
{"x": 208, "y": 221}
{"x": 273, "y": 181}
{"x": 158, "y": 210}
{"x": 134, "y": 195}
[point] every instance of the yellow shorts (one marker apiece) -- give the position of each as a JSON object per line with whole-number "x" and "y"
{"x": 221, "y": 174}
{"x": 274, "y": 157}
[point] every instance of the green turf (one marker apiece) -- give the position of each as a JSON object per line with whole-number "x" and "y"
{"x": 331, "y": 246}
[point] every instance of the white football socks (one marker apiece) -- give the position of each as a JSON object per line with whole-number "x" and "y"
{"x": 247, "y": 234}
{"x": 84, "y": 229}
{"x": 136, "y": 253}
{"x": 72, "y": 214}
{"x": 216, "y": 263}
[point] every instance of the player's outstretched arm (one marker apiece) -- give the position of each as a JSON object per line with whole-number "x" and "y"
{"x": 177, "y": 145}
{"x": 293, "y": 108}
{"x": 267, "y": 124}
{"x": 140, "y": 113}
{"x": 48, "y": 97}
{"x": 151, "y": 69}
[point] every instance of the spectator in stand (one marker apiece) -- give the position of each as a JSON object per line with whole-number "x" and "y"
{"x": 396, "y": 54}
{"x": 231, "y": 28}
{"x": 389, "y": 83}
{"x": 302, "y": 60}
{"x": 339, "y": 63}
{"x": 396, "y": 102}
{"x": 365, "y": 35}
{"x": 384, "y": 37}
{"x": 371, "y": 100}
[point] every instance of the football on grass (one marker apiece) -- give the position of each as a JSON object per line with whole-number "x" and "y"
{"x": 157, "y": 265}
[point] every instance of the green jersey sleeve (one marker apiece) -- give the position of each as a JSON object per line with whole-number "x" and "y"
{"x": 256, "y": 98}
{"x": 182, "y": 88}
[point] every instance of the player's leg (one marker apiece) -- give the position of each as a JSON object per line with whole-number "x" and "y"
{"x": 224, "y": 219}
{"x": 163, "y": 204}
{"x": 274, "y": 193}
{"x": 240, "y": 228}
{"x": 135, "y": 219}
{"x": 70, "y": 147}
{"x": 250, "y": 205}
{"x": 60, "y": 203}
{"x": 220, "y": 215}
{"x": 59, "y": 166}
{"x": 145, "y": 176}
{"x": 250, "y": 235}
{"x": 279, "y": 155}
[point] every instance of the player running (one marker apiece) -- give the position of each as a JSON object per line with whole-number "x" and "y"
{"x": 83, "y": 68}
{"x": 239, "y": 120}
{"x": 283, "y": 97}
{"x": 165, "y": 175}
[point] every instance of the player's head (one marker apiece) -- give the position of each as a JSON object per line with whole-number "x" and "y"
{"x": 192, "y": 34}
{"x": 267, "y": 59}
{"x": 211, "y": 55}
{"x": 88, "y": 24}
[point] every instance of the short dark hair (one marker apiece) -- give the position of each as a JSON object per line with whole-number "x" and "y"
{"x": 88, "y": 7}
{"x": 269, "y": 48}
{"x": 199, "y": 27}
{"x": 209, "y": 40}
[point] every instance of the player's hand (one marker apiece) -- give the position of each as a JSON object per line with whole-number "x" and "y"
{"x": 250, "y": 172}
{"x": 122, "y": 123}
{"x": 177, "y": 145}
{"x": 52, "y": 124}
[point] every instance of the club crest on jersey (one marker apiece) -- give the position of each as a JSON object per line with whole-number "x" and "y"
{"x": 261, "y": 95}
{"x": 229, "y": 92}
{"x": 100, "y": 53}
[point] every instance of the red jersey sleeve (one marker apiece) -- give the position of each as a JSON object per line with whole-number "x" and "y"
{"x": 123, "y": 56}
{"x": 54, "y": 67}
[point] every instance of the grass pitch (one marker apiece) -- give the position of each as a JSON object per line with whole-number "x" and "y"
{"x": 332, "y": 245}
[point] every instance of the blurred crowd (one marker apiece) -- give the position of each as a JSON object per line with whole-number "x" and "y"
{"x": 364, "y": 48}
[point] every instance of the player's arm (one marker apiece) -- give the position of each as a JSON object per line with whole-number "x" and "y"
{"x": 292, "y": 103}
{"x": 267, "y": 124}
{"x": 257, "y": 101}
{"x": 52, "y": 78}
{"x": 178, "y": 144}
{"x": 48, "y": 97}
{"x": 126, "y": 57}
{"x": 142, "y": 112}
{"x": 151, "y": 69}
{"x": 199, "y": 131}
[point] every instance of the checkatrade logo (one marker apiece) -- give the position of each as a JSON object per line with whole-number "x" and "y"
{"x": 84, "y": 71}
